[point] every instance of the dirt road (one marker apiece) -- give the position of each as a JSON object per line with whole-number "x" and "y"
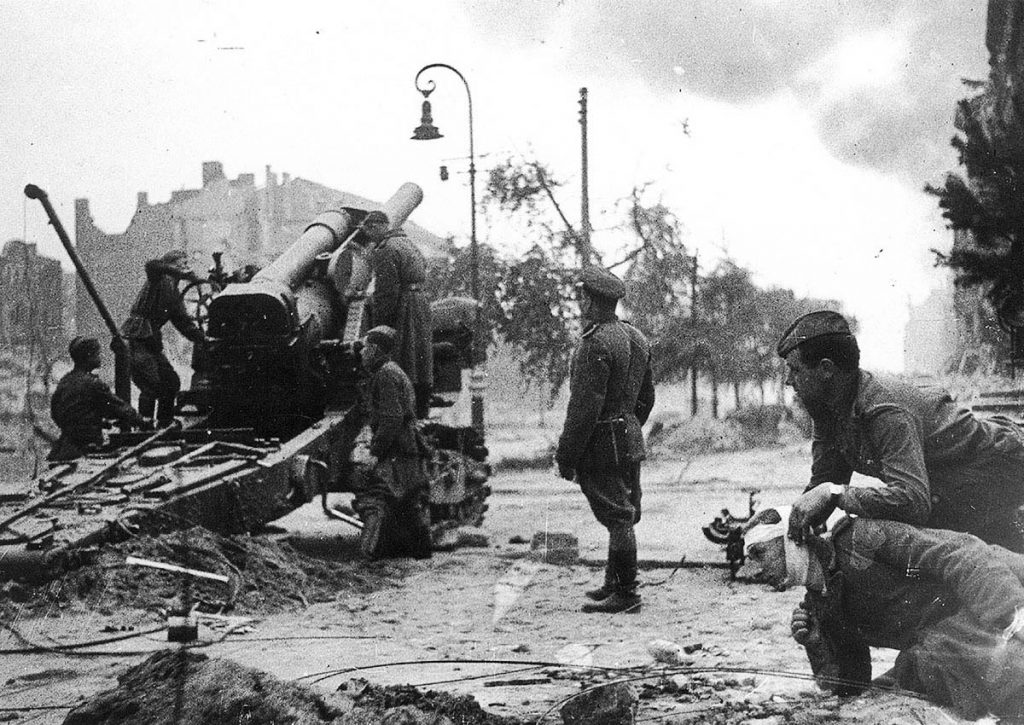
{"x": 456, "y": 621}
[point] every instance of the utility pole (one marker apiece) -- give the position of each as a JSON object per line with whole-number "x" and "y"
{"x": 693, "y": 322}
{"x": 585, "y": 228}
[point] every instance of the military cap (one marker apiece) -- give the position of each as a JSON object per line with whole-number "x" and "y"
{"x": 383, "y": 337}
{"x": 807, "y": 327}
{"x": 376, "y": 217}
{"x": 599, "y": 281}
{"x": 175, "y": 256}
{"x": 81, "y": 347}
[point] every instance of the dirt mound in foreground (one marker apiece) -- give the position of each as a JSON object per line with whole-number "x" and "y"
{"x": 265, "y": 575}
{"x": 178, "y": 686}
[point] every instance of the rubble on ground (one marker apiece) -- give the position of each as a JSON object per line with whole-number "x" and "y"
{"x": 179, "y": 686}
{"x": 266, "y": 574}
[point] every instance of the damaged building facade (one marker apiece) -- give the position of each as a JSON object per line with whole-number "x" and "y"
{"x": 32, "y": 310}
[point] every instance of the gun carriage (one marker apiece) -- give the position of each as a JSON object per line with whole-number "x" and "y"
{"x": 271, "y": 419}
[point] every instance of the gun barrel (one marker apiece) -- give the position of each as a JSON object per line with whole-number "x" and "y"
{"x": 325, "y": 233}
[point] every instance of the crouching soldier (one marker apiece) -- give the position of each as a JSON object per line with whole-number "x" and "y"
{"x": 950, "y": 603}
{"x": 393, "y": 507}
{"x": 82, "y": 403}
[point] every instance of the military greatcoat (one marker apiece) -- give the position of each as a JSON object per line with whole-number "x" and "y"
{"x": 399, "y": 301}
{"x": 611, "y": 393}
{"x": 942, "y": 466}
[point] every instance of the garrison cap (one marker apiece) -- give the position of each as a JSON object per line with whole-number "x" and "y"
{"x": 383, "y": 337}
{"x": 81, "y": 346}
{"x": 807, "y": 327}
{"x": 599, "y": 281}
{"x": 376, "y": 217}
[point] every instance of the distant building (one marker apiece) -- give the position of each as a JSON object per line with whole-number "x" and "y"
{"x": 930, "y": 337}
{"x": 32, "y": 304}
{"x": 247, "y": 223}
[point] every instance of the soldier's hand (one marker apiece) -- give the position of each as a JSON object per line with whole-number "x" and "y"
{"x": 810, "y": 512}
{"x": 801, "y": 625}
{"x": 566, "y": 472}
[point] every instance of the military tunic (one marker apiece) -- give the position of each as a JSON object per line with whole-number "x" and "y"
{"x": 942, "y": 598}
{"x": 399, "y": 301}
{"x": 79, "y": 406}
{"x": 158, "y": 302}
{"x": 611, "y": 394}
{"x": 942, "y": 466}
{"x": 393, "y": 507}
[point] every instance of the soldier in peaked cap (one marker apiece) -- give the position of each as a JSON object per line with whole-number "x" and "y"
{"x": 611, "y": 393}
{"x": 393, "y": 506}
{"x": 399, "y": 301}
{"x": 942, "y": 467}
{"x": 82, "y": 403}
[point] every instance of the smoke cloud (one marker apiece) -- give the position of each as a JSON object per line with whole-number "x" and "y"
{"x": 880, "y": 79}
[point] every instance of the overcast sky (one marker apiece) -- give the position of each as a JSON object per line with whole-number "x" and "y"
{"x": 812, "y": 124}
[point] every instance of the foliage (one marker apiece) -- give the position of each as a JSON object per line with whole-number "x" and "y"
{"x": 983, "y": 204}
{"x": 729, "y": 334}
{"x": 538, "y": 318}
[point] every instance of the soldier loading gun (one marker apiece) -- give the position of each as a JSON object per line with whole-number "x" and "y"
{"x": 159, "y": 302}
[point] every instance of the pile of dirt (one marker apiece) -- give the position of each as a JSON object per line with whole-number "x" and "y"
{"x": 379, "y": 704}
{"x": 179, "y": 686}
{"x": 265, "y": 575}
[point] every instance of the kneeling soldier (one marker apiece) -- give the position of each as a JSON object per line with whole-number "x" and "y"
{"x": 82, "y": 403}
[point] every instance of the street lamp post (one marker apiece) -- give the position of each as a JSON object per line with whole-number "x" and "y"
{"x": 426, "y": 131}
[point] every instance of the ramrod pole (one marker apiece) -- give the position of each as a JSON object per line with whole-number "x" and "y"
{"x": 122, "y": 363}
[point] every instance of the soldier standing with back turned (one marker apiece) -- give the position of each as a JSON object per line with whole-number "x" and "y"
{"x": 399, "y": 302}
{"x": 601, "y": 446}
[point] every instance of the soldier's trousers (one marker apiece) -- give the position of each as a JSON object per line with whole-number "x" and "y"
{"x": 157, "y": 381}
{"x": 957, "y": 663}
{"x": 614, "y": 497}
{"x": 393, "y": 525}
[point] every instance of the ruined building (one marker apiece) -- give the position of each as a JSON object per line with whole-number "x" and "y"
{"x": 250, "y": 224}
{"x": 32, "y": 306}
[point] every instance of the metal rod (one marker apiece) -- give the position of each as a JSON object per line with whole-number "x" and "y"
{"x": 177, "y": 569}
{"x": 122, "y": 364}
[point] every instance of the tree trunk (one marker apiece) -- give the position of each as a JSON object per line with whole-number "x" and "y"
{"x": 736, "y": 394}
{"x": 714, "y": 395}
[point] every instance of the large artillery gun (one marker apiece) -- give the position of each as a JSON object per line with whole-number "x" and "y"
{"x": 270, "y": 422}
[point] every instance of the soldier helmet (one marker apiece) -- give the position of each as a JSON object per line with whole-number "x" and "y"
{"x": 376, "y": 217}
{"x": 82, "y": 348}
{"x": 810, "y": 326}
{"x": 600, "y": 282}
{"x": 382, "y": 336}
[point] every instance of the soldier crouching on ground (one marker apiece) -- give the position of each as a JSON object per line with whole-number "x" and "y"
{"x": 393, "y": 507}
{"x": 82, "y": 403}
{"x": 950, "y": 603}
{"x": 159, "y": 301}
{"x": 611, "y": 393}
{"x": 942, "y": 467}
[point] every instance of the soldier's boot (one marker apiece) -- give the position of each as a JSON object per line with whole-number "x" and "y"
{"x": 608, "y": 588}
{"x": 147, "y": 405}
{"x": 625, "y": 597}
